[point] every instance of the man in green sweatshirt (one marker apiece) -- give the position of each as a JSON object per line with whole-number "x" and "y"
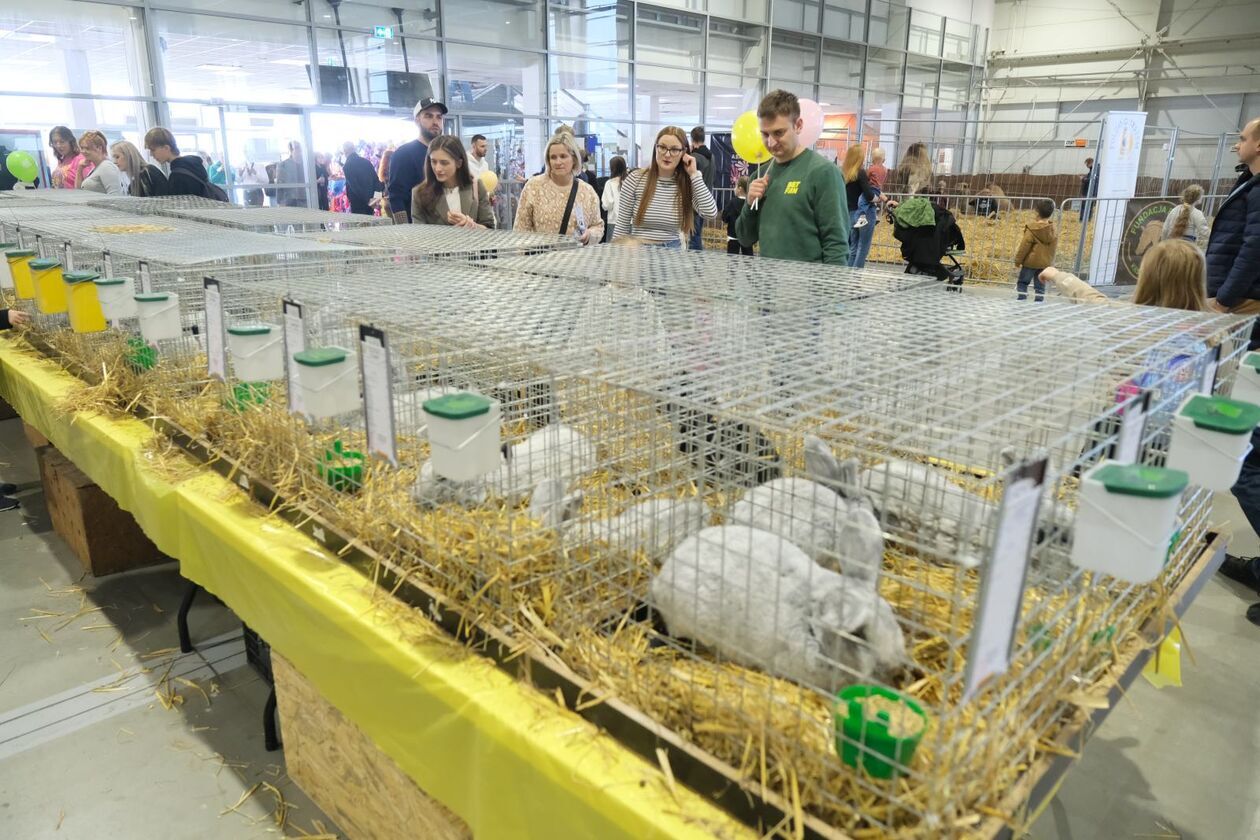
{"x": 794, "y": 210}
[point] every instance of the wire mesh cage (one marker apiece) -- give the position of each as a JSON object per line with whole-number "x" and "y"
{"x": 277, "y": 219}
{"x": 442, "y": 241}
{"x": 159, "y": 205}
{"x": 725, "y": 521}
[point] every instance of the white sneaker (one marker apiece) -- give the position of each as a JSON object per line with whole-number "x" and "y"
{"x": 861, "y": 222}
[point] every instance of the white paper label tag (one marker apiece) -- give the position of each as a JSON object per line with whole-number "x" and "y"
{"x": 145, "y": 280}
{"x": 1002, "y": 586}
{"x": 1132, "y": 428}
{"x": 216, "y": 353}
{"x": 69, "y": 260}
{"x": 107, "y": 262}
{"x": 39, "y": 246}
{"x": 1208, "y": 384}
{"x": 378, "y": 394}
{"x": 21, "y": 238}
{"x": 294, "y": 342}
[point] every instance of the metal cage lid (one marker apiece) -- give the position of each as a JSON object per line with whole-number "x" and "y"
{"x": 250, "y": 329}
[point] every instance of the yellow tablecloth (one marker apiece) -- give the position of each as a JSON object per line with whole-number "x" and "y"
{"x": 498, "y": 753}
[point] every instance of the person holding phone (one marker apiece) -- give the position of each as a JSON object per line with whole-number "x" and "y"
{"x": 558, "y": 201}
{"x": 658, "y": 205}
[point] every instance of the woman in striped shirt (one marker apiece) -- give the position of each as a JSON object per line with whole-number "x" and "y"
{"x": 658, "y": 205}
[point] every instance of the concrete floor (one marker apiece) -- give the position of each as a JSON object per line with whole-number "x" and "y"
{"x": 87, "y": 750}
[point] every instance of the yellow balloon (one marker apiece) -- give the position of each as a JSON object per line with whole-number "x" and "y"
{"x": 489, "y": 180}
{"x": 746, "y": 138}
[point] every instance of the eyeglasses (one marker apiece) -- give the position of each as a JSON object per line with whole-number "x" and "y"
{"x": 669, "y": 150}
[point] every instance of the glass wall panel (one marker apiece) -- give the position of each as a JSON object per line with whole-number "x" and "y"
{"x": 959, "y": 40}
{"x": 254, "y": 8}
{"x": 842, "y": 64}
{"x": 419, "y": 17}
{"x": 686, "y": 5}
{"x": 925, "y": 33}
{"x": 805, "y": 90}
{"x": 516, "y": 23}
{"x": 667, "y": 97}
{"x": 728, "y": 97}
{"x": 955, "y": 90}
{"x": 796, "y": 14}
{"x": 118, "y": 120}
{"x": 889, "y": 24}
{"x": 495, "y": 81}
{"x": 584, "y": 90}
{"x": 207, "y": 57}
{"x": 66, "y": 47}
{"x": 794, "y": 56}
{"x": 594, "y": 28}
{"x": 736, "y": 48}
{"x": 671, "y": 38}
{"x": 751, "y": 11}
{"x": 381, "y": 72}
{"x": 921, "y": 77}
{"x": 884, "y": 69}
{"x": 845, "y": 19}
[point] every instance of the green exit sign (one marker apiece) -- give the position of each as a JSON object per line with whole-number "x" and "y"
{"x": 383, "y": 31}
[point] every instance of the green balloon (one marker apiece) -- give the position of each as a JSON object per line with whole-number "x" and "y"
{"x": 22, "y": 166}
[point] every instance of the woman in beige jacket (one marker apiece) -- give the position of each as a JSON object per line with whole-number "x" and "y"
{"x": 449, "y": 195}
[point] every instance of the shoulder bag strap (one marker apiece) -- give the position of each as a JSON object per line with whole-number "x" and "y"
{"x": 568, "y": 208}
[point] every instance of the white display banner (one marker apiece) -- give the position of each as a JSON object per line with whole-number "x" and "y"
{"x": 1119, "y": 154}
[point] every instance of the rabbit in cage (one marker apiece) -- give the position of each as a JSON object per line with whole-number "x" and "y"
{"x": 654, "y": 525}
{"x": 920, "y": 497}
{"x": 554, "y": 451}
{"x": 836, "y": 529}
{"x": 759, "y": 600}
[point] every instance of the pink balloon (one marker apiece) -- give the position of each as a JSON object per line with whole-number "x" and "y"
{"x": 812, "y": 122}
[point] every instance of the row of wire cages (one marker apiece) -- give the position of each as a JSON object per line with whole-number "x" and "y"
{"x": 281, "y": 220}
{"x": 124, "y": 293}
{"x": 724, "y": 532}
{"x": 446, "y": 242}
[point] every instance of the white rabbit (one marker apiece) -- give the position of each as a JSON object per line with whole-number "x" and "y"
{"x": 554, "y": 451}
{"x": 953, "y": 521}
{"x": 839, "y": 533}
{"x": 759, "y": 600}
{"x": 654, "y": 525}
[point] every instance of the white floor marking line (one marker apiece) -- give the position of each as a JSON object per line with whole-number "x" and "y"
{"x": 69, "y": 711}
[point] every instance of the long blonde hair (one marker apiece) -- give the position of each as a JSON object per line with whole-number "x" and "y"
{"x": 131, "y": 157}
{"x": 853, "y": 160}
{"x": 1173, "y": 275}
{"x": 686, "y": 201}
{"x": 1189, "y": 197}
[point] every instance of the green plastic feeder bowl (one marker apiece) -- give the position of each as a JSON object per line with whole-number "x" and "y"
{"x": 247, "y": 395}
{"x": 140, "y": 356}
{"x": 342, "y": 468}
{"x": 865, "y": 741}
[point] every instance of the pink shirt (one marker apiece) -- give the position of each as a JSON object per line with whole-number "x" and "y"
{"x": 877, "y": 174}
{"x": 66, "y": 175}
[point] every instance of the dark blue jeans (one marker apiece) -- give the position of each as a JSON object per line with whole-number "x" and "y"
{"x": 697, "y": 236}
{"x": 1030, "y": 275}
{"x": 1247, "y": 490}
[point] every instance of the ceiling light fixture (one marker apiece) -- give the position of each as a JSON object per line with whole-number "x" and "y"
{"x": 221, "y": 68}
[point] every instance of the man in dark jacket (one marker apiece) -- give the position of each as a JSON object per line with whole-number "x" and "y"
{"x": 704, "y": 163}
{"x": 1233, "y": 250}
{"x": 1233, "y": 279}
{"x": 361, "y": 181}
{"x": 406, "y": 167}
{"x": 187, "y": 176}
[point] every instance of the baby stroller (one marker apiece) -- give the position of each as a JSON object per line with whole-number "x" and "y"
{"x": 928, "y": 234}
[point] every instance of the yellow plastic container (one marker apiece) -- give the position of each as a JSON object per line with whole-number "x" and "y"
{"x": 50, "y": 291}
{"x": 86, "y": 315}
{"x": 20, "y": 267}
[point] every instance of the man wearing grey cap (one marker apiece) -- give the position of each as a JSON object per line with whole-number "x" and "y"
{"x": 406, "y": 168}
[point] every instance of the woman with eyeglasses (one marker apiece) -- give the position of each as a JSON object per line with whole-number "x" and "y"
{"x": 658, "y": 205}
